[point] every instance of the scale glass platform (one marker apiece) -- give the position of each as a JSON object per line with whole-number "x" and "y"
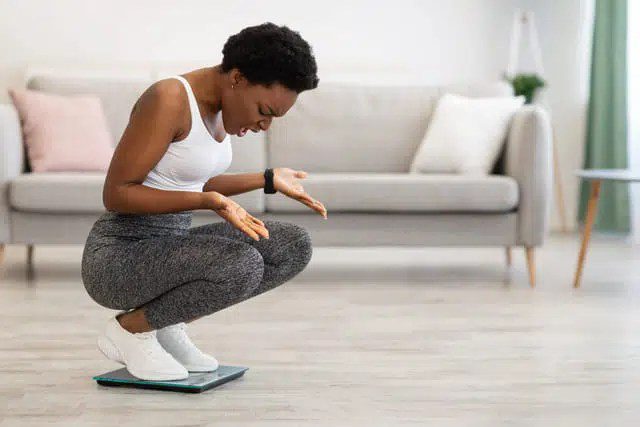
{"x": 197, "y": 382}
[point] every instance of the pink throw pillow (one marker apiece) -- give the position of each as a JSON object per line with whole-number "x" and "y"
{"x": 63, "y": 133}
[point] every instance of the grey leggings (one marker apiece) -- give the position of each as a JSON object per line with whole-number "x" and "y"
{"x": 178, "y": 273}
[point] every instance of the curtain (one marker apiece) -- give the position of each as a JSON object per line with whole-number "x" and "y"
{"x": 633, "y": 80}
{"x": 606, "y": 142}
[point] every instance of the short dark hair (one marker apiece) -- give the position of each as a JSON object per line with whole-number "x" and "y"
{"x": 268, "y": 53}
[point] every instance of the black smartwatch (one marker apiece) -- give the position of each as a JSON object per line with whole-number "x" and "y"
{"x": 268, "y": 181}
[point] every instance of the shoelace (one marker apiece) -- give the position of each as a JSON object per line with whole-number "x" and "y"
{"x": 179, "y": 333}
{"x": 150, "y": 344}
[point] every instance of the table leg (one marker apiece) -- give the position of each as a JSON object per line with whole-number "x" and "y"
{"x": 592, "y": 208}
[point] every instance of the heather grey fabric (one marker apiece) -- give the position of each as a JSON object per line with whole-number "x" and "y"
{"x": 178, "y": 273}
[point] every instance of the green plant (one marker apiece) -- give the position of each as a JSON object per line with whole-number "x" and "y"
{"x": 526, "y": 84}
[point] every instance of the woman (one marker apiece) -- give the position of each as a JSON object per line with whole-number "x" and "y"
{"x": 142, "y": 256}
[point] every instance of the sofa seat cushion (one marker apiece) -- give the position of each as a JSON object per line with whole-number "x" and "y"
{"x": 73, "y": 192}
{"x": 57, "y": 191}
{"x": 403, "y": 192}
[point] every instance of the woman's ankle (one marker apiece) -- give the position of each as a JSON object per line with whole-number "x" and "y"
{"x": 134, "y": 321}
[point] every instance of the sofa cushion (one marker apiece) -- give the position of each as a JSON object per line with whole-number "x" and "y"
{"x": 403, "y": 192}
{"x": 63, "y": 133}
{"x": 344, "y": 127}
{"x": 465, "y": 135}
{"x": 118, "y": 94}
{"x": 72, "y": 192}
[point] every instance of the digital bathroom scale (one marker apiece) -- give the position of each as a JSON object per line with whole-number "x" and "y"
{"x": 197, "y": 382}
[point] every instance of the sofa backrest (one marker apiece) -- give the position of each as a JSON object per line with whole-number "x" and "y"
{"x": 118, "y": 94}
{"x": 340, "y": 127}
{"x": 337, "y": 127}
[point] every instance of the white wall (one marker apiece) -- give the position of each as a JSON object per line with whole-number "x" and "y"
{"x": 564, "y": 28}
{"x": 430, "y": 41}
{"x": 434, "y": 41}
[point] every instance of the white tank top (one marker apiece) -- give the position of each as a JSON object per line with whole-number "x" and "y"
{"x": 189, "y": 163}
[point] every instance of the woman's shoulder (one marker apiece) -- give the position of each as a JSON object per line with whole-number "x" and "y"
{"x": 165, "y": 97}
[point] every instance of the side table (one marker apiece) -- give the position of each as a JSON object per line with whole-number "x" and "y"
{"x": 596, "y": 176}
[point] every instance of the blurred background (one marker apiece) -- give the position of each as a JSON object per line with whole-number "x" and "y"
{"x": 508, "y": 296}
{"x": 428, "y": 42}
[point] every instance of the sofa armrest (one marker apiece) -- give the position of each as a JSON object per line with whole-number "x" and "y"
{"x": 11, "y": 163}
{"x": 528, "y": 160}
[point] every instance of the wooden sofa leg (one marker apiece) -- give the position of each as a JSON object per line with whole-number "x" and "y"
{"x": 508, "y": 254}
{"x": 531, "y": 265}
{"x": 30, "y": 256}
{"x": 2, "y": 252}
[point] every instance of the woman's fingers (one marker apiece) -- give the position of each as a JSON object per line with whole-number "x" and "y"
{"x": 253, "y": 220}
{"x": 307, "y": 198}
{"x": 323, "y": 210}
{"x": 260, "y": 230}
{"x": 239, "y": 223}
{"x": 313, "y": 204}
{"x": 256, "y": 220}
{"x": 261, "y": 225}
{"x": 243, "y": 221}
{"x": 249, "y": 231}
{"x": 264, "y": 231}
{"x": 255, "y": 225}
{"x": 316, "y": 206}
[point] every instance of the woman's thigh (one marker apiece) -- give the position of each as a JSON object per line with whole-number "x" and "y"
{"x": 286, "y": 252}
{"x": 131, "y": 274}
{"x": 282, "y": 235}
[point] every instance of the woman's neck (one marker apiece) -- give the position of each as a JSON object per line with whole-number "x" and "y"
{"x": 208, "y": 88}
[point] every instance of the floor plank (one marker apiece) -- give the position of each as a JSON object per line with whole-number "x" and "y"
{"x": 366, "y": 336}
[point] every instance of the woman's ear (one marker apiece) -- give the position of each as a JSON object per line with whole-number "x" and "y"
{"x": 236, "y": 77}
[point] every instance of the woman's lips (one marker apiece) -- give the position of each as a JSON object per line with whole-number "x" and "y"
{"x": 243, "y": 131}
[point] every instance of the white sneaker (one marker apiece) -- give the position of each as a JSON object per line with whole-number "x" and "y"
{"x": 175, "y": 340}
{"x": 141, "y": 353}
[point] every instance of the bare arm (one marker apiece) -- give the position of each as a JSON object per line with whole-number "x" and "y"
{"x": 153, "y": 124}
{"x": 232, "y": 184}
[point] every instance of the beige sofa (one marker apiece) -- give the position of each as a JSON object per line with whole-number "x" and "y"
{"x": 356, "y": 141}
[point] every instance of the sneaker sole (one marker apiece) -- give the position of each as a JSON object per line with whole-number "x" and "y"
{"x": 199, "y": 368}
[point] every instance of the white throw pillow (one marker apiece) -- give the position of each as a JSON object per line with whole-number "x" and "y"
{"x": 465, "y": 134}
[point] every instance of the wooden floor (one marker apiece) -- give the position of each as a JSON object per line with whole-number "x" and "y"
{"x": 363, "y": 337}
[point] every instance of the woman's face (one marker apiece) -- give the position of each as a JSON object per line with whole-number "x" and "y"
{"x": 253, "y": 107}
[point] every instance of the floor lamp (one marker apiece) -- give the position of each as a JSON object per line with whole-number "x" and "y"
{"x": 523, "y": 19}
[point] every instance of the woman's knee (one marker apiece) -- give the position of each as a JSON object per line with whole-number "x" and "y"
{"x": 302, "y": 244}
{"x": 244, "y": 267}
{"x": 107, "y": 300}
{"x": 297, "y": 248}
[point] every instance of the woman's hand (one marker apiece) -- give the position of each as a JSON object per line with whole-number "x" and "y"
{"x": 287, "y": 181}
{"x": 236, "y": 215}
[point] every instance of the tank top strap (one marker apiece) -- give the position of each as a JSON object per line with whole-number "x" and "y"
{"x": 196, "y": 119}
